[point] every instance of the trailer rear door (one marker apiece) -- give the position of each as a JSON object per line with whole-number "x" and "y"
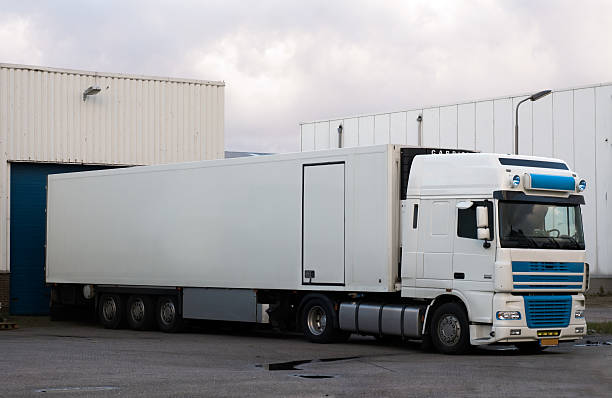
{"x": 323, "y": 224}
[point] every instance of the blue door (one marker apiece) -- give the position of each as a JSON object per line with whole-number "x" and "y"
{"x": 28, "y": 203}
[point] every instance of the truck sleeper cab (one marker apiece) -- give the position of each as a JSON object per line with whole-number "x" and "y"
{"x": 457, "y": 249}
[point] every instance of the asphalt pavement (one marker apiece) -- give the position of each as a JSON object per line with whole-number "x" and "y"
{"x": 82, "y": 359}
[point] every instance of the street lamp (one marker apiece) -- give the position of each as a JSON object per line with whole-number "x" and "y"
{"x": 534, "y": 97}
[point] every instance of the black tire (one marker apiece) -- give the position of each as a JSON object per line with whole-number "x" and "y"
{"x": 318, "y": 320}
{"x": 111, "y": 311}
{"x": 167, "y": 315}
{"x": 531, "y": 347}
{"x": 140, "y": 312}
{"x": 449, "y": 329}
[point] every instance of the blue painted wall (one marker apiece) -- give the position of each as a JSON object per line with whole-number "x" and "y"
{"x": 28, "y": 201}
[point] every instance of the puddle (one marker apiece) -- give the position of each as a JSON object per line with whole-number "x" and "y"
{"x": 293, "y": 365}
{"x": 590, "y": 343}
{"x": 315, "y": 376}
{"x": 77, "y": 389}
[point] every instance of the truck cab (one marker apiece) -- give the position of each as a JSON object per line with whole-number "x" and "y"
{"x": 494, "y": 244}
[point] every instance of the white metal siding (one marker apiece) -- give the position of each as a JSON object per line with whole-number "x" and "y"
{"x": 574, "y": 125}
{"x": 134, "y": 120}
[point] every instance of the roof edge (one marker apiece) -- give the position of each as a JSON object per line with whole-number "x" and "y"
{"x": 110, "y": 74}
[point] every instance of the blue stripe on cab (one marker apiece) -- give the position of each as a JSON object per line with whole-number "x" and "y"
{"x": 547, "y": 278}
{"x": 557, "y": 183}
{"x": 548, "y": 286}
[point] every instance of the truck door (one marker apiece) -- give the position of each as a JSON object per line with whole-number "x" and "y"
{"x": 473, "y": 264}
{"x": 323, "y": 224}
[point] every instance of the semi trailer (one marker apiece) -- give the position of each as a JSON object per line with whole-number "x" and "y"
{"x": 457, "y": 249}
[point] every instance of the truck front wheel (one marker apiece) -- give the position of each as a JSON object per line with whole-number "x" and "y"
{"x": 449, "y": 329}
{"x": 168, "y": 318}
{"x": 110, "y": 311}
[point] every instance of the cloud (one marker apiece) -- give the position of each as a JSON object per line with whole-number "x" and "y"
{"x": 286, "y": 62}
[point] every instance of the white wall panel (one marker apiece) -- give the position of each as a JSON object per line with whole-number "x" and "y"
{"x": 431, "y": 127}
{"x": 543, "y": 127}
{"x": 322, "y": 136}
{"x": 382, "y": 129}
{"x": 308, "y": 137}
{"x": 603, "y": 183}
{"x": 351, "y": 132}
{"x": 398, "y": 128}
{"x": 584, "y": 132}
{"x": 466, "y": 126}
{"x": 503, "y": 141}
{"x": 448, "y": 126}
{"x": 484, "y": 126}
{"x": 366, "y": 130}
{"x": 134, "y": 120}
{"x": 563, "y": 127}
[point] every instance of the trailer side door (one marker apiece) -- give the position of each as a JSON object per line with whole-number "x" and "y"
{"x": 323, "y": 228}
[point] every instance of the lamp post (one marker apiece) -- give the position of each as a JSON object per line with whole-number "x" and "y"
{"x": 534, "y": 97}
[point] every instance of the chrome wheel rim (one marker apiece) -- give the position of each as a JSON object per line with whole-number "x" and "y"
{"x": 109, "y": 309}
{"x": 167, "y": 312}
{"x": 449, "y": 330}
{"x": 137, "y": 310}
{"x": 317, "y": 320}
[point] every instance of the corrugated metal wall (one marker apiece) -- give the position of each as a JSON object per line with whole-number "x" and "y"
{"x": 134, "y": 120}
{"x": 574, "y": 125}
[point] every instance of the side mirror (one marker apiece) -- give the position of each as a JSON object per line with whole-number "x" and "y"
{"x": 484, "y": 234}
{"x": 482, "y": 217}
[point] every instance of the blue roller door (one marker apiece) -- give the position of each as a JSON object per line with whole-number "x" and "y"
{"x": 28, "y": 201}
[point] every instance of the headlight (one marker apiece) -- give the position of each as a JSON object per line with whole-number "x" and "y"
{"x": 579, "y": 314}
{"x": 516, "y": 180}
{"x": 508, "y": 315}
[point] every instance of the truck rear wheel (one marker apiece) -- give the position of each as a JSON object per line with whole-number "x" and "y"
{"x": 449, "y": 329}
{"x": 140, "y": 312}
{"x": 111, "y": 311}
{"x": 168, "y": 318}
{"x": 318, "y": 321}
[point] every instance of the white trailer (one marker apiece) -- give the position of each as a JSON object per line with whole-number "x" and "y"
{"x": 382, "y": 240}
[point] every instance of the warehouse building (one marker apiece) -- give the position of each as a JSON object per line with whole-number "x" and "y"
{"x": 56, "y": 121}
{"x": 571, "y": 124}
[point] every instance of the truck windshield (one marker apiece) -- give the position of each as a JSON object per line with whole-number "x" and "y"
{"x": 540, "y": 226}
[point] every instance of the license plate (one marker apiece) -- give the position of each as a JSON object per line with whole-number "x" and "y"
{"x": 549, "y": 342}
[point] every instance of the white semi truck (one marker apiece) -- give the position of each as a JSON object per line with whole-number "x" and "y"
{"x": 457, "y": 249}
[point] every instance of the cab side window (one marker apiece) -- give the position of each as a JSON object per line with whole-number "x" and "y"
{"x": 466, "y": 223}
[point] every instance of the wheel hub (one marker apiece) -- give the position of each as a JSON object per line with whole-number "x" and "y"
{"x": 317, "y": 320}
{"x": 137, "y": 310}
{"x": 449, "y": 330}
{"x": 168, "y": 312}
{"x": 109, "y": 309}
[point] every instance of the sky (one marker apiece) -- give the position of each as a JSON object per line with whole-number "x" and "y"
{"x": 286, "y": 62}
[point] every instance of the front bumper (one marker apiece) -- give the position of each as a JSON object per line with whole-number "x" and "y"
{"x": 501, "y": 331}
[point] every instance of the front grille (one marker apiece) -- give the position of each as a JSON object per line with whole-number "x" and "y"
{"x": 548, "y": 311}
{"x": 529, "y": 266}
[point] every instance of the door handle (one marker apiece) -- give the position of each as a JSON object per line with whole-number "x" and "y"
{"x": 459, "y": 275}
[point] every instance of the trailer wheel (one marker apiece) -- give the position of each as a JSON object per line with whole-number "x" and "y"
{"x": 140, "y": 312}
{"x": 110, "y": 311}
{"x": 449, "y": 329}
{"x": 318, "y": 322}
{"x": 168, "y": 318}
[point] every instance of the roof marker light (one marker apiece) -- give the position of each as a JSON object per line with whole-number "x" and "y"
{"x": 581, "y": 185}
{"x": 516, "y": 180}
